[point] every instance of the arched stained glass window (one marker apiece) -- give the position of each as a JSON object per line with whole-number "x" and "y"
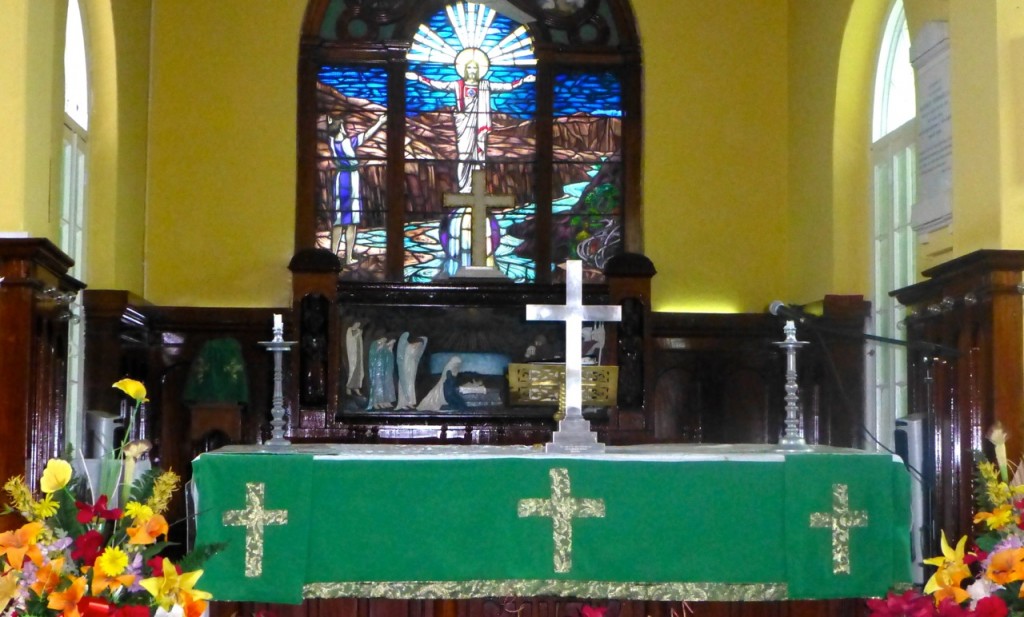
{"x": 405, "y": 105}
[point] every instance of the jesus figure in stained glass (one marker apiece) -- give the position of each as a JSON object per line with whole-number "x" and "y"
{"x": 472, "y": 108}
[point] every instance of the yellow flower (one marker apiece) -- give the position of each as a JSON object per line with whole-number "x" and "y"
{"x": 998, "y": 518}
{"x": 138, "y": 512}
{"x": 951, "y": 570}
{"x": 45, "y": 507}
{"x": 20, "y": 493}
{"x": 133, "y": 388}
{"x": 163, "y": 488}
{"x": 8, "y": 589}
{"x": 998, "y": 438}
{"x": 173, "y": 588}
{"x": 137, "y": 448}
{"x": 112, "y": 561}
{"x": 56, "y": 476}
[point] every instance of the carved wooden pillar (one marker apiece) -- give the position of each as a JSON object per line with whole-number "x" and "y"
{"x": 629, "y": 284}
{"x": 315, "y": 291}
{"x": 972, "y": 306}
{"x": 34, "y": 310}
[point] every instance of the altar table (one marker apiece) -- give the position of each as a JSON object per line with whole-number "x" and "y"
{"x": 719, "y": 523}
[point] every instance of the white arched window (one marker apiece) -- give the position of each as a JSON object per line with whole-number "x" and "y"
{"x": 73, "y": 181}
{"x": 894, "y": 175}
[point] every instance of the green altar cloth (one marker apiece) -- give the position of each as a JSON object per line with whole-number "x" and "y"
{"x": 657, "y": 523}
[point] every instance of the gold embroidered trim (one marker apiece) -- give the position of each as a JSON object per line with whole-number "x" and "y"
{"x": 461, "y": 590}
{"x": 841, "y": 519}
{"x": 562, "y": 508}
{"x": 253, "y": 518}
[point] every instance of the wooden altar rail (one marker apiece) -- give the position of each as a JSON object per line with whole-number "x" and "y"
{"x": 35, "y": 297}
{"x": 972, "y": 305}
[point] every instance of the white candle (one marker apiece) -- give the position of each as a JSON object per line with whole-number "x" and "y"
{"x": 278, "y": 322}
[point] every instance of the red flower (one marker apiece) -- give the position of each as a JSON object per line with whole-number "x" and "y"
{"x": 992, "y": 606}
{"x": 98, "y": 510}
{"x": 592, "y": 611}
{"x": 87, "y": 547}
{"x": 910, "y": 604}
{"x": 156, "y": 564}
{"x": 975, "y": 555}
{"x": 131, "y": 610}
{"x": 949, "y": 608}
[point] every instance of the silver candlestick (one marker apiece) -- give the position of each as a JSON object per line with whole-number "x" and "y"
{"x": 792, "y": 438}
{"x": 277, "y": 346}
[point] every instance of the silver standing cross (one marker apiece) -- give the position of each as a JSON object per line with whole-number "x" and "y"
{"x": 574, "y": 434}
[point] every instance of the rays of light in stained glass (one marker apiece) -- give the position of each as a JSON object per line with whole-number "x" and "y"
{"x": 473, "y": 25}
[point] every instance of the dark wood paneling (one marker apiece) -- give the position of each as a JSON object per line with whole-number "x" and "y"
{"x": 35, "y": 294}
{"x": 970, "y": 306}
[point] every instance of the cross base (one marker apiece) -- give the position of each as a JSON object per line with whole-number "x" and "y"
{"x": 479, "y": 272}
{"x": 574, "y": 436}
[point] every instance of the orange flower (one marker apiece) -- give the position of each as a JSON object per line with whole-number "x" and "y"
{"x": 194, "y": 607}
{"x": 67, "y": 601}
{"x": 1006, "y": 566}
{"x": 147, "y": 532}
{"x": 48, "y": 577}
{"x": 101, "y": 582}
{"x": 21, "y": 542}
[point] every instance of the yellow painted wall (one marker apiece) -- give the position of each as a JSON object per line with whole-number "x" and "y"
{"x": 117, "y": 36}
{"x": 220, "y": 222}
{"x": 754, "y": 178}
{"x": 31, "y": 108}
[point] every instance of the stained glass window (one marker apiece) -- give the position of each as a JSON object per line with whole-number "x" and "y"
{"x": 480, "y": 90}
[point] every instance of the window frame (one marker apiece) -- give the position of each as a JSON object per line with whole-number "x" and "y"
{"x": 552, "y": 57}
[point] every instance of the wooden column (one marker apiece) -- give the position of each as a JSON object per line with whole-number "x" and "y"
{"x": 629, "y": 284}
{"x": 972, "y": 307}
{"x": 34, "y": 310}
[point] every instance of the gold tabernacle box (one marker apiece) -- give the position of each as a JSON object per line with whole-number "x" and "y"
{"x": 539, "y": 384}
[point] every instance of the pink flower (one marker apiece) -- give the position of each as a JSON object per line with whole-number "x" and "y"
{"x": 593, "y": 611}
{"x": 909, "y": 604}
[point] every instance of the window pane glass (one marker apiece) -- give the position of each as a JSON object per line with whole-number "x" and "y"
{"x": 76, "y": 77}
{"x": 587, "y": 217}
{"x": 439, "y": 239}
{"x": 351, "y": 206}
{"x": 470, "y": 107}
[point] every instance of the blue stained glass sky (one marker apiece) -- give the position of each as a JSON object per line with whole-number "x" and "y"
{"x": 575, "y": 92}
{"x": 365, "y": 82}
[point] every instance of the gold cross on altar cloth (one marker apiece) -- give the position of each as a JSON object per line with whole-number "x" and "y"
{"x": 479, "y": 203}
{"x": 841, "y": 519}
{"x": 253, "y": 518}
{"x": 562, "y": 508}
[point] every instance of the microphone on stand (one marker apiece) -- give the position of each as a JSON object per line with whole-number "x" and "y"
{"x": 781, "y": 309}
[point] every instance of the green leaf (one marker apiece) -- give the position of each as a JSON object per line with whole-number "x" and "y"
{"x": 195, "y": 559}
{"x": 142, "y": 488}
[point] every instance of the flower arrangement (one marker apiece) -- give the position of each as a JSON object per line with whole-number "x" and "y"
{"x": 79, "y": 556}
{"x": 986, "y": 579}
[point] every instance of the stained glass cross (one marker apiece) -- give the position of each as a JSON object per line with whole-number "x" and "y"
{"x": 479, "y": 203}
